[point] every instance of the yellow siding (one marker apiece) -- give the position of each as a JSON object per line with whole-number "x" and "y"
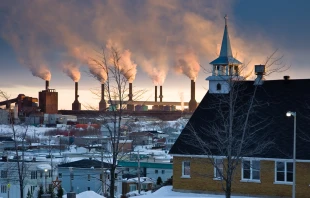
{"x": 202, "y": 179}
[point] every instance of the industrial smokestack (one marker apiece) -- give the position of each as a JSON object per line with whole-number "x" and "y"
{"x": 102, "y": 92}
{"x": 130, "y": 107}
{"x": 161, "y": 93}
{"x": 192, "y": 103}
{"x": 155, "y": 93}
{"x": 76, "y": 90}
{"x": 102, "y": 103}
{"x": 76, "y": 106}
{"x": 193, "y": 90}
{"x": 47, "y": 84}
{"x": 130, "y": 92}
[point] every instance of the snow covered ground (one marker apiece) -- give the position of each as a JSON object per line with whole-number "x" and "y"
{"x": 86, "y": 194}
{"x": 166, "y": 191}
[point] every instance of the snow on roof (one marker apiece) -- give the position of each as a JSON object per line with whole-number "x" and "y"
{"x": 44, "y": 167}
{"x": 142, "y": 180}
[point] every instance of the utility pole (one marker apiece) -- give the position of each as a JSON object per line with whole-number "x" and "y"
{"x": 139, "y": 183}
{"x": 102, "y": 172}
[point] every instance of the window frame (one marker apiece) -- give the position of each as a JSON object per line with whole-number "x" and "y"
{"x": 131, "y": 187}
{"x": 3, "y": 189}
{"x": 285, "y": 172}
{"x": 218, "y": 87}
{"x": 4, "y": 174}
{"x": 251, "y": 169}
{"x": 183, "y": 169}
{"x": 215, "y": 177}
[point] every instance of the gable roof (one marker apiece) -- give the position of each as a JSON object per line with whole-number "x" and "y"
{"x": 85, "y": 163}
{"x": 277, "y": 97}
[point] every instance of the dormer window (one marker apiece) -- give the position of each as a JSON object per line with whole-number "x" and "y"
{"x": 218, "y": 87}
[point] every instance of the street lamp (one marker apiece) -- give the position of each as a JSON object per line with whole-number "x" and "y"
{"x": 45, "y": 170}
{"x": 289, "y": 114}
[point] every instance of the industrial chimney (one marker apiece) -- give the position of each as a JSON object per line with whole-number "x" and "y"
{"x": 161, "y": 107}
{"x": 47, "y": 84}
{"x": 161, "y": 94}
{"x": 155, "y": 93}
{"x": 76, "y": 106}
{"x": 102, "y": 103}
{"x": 192, "y": 103}
{"x": 130, "y": 107}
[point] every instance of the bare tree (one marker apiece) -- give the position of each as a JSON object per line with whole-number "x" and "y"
{"x": 232, "y": 128}
{"x": 115, "y": 89}
{"x": 19, "y": 136}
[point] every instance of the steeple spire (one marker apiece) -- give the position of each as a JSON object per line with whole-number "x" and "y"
{"x": 226, "y": 56}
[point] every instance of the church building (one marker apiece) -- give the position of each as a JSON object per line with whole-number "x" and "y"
{"x": 240, "y": 134}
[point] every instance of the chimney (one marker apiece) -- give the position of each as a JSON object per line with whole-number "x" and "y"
{"x": 161, "y": 93}
{"x": 102, "y": 103}
{"x": 260, "y": 72}
{"x": 130, "y": 92}
{"x": 76, "y": 90}
{"x": 192, "y": 103}
{"x": 47, "y": 84}
{"x": 76, "y": 106}
{"x": 155, "y": 93}
{"x": 130, "y": 107}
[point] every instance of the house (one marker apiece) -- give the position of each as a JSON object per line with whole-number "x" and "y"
{"x": 147, "y": 169}
{"x": 36, "y": 174}
{"x": 130, "y": 185}
{"x": 141, "y": 138}
{"x": 88, "y": 174}
{"x": 263, "y": 169}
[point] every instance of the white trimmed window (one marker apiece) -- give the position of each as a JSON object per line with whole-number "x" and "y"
{"x": 251, "y": 170}
{"x": 284, "y": 172}
{"x": 186, "y": 169}
{"x": 218, "y": 168}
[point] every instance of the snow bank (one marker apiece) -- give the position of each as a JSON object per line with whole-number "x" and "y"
{"x": 86, "y": 194}
{"x": 166, "y": 191}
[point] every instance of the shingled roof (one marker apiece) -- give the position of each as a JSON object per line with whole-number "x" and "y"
{"x": 276, "y": 98}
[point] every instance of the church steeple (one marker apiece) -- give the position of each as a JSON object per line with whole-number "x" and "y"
{"x": 226, "y": 48}
{"x": 226, "y": 56}
{"x": 225, "y": 67}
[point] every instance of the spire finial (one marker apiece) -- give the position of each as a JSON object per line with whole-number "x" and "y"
{"x": 225, "y": 17}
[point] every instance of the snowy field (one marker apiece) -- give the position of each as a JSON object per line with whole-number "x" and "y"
{"x": 165, "y": 191}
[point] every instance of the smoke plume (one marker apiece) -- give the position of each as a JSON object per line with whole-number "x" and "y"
{"x": 153, "y": 30}
{"x": 98, "y": 71}
{"x": 187, "y": 63}
{"x": 72, "y": 71}
{"x": 128, "y": 67}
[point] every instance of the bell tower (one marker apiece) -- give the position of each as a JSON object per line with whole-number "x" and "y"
{"x": 225, "y": 67}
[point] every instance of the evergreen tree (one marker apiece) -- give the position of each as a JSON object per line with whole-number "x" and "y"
{"x": 40, "y": 192}
{"x": 51, "y": 191}
{"x": 159, "y": 181}
{"x": 60, "y": 192}
{"x": 29, "y": 195}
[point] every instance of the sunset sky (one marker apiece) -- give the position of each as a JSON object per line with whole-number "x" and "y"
{"x": 39, "y": 36}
